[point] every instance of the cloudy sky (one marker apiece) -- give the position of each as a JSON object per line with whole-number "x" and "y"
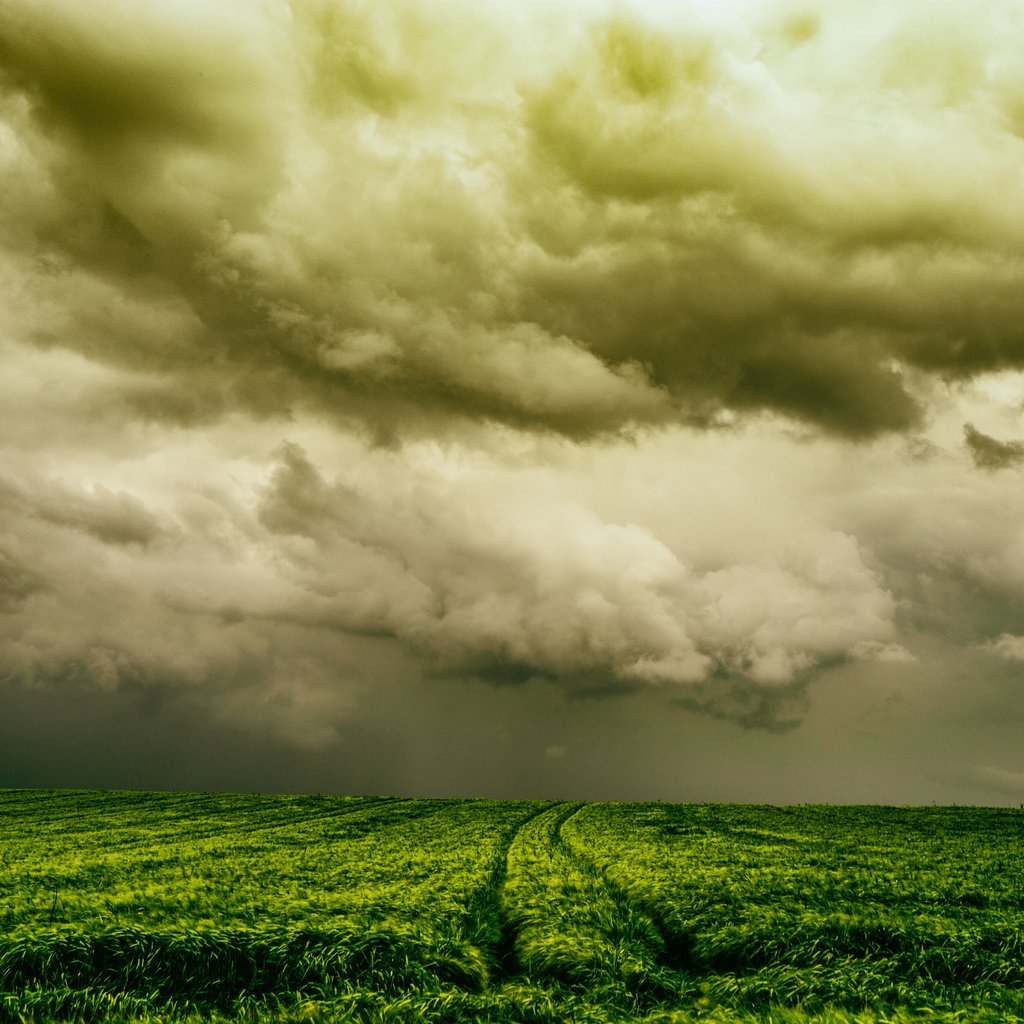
{"x": 605, "y": 400}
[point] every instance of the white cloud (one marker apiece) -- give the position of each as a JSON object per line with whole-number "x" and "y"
{"x": 494, "y": 560}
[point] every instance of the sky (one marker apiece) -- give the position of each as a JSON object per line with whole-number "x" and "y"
{"x": 602, "y": 400}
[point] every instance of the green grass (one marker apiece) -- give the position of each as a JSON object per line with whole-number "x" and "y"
{"x": 189, "y": 907}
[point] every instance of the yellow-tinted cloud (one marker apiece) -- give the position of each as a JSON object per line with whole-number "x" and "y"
{"x": 635, "y": 234}
{"x": 406, "y": 214}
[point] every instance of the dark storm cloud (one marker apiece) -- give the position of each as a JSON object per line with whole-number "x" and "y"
{"x": 100, "y": 594}
{"x": 988, "y": 453}
{"x": 776, "y": 710}
{"x": 203, "y": 604}
{"x": 534, "y": 299}
{"x": 17, "y": 581}
{"x": 146, "y": 96}
{"x": 111, "y": 517}
{"x": 390, "y": 216}
{"x": 742, "y": 272}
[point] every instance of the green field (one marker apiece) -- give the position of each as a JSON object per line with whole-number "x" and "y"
{"x": 147, "y": 906}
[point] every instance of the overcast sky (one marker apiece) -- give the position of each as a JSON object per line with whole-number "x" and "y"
{"x": 601, "y": 400}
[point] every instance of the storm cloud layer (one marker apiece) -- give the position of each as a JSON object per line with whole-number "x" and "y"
{"x": 605, "y": 349}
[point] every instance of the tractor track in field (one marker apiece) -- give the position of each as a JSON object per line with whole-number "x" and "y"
{"x": 490, "y": 911}
{"x": 562, "y": 919}
{"x": 228, "y": 831}
{"x": 89, "y": 813}
{"x": 501, "y": 872}
{"x": 676, "y": 954}
{"x": 504, "y": 957}
{"x": 556, "y": 831}
{"x": 166, "y": 849}
{"x": 618, "y": 893}
{"x": 170, "y": 812}
{"x": 223, "y": 827}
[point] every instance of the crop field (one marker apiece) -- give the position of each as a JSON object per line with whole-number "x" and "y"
{"x": 212, "y": 907}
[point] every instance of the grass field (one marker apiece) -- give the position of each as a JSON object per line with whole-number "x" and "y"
{"x": 145, "y": 906}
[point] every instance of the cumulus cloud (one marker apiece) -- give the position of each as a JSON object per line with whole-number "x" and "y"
{"x": 490, "y": 570}
{"x": 101, "y": 593}
{"x": 480, "y": 564}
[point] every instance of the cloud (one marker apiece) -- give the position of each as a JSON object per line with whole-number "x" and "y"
{"x": 946, "y": 539}
{"x": 778, "y": 710}
{"x": 584, "y": 330}
{"x": 17, "y": 581}
{"x": 752, "y": 209}
{"x": 102, "y": 594}
{"x": 487, "y": 572}
{"x": 480, "y": 564}
{"x": 111, "y": 517}
{"x": 988, "y": 453}
{"x": 874, "y": 650}
{"x": 1007, "y": 646}
{"x": 416, "y": 219}
{"x": 179, "y": 98}
{"x": 725, "y": 569}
